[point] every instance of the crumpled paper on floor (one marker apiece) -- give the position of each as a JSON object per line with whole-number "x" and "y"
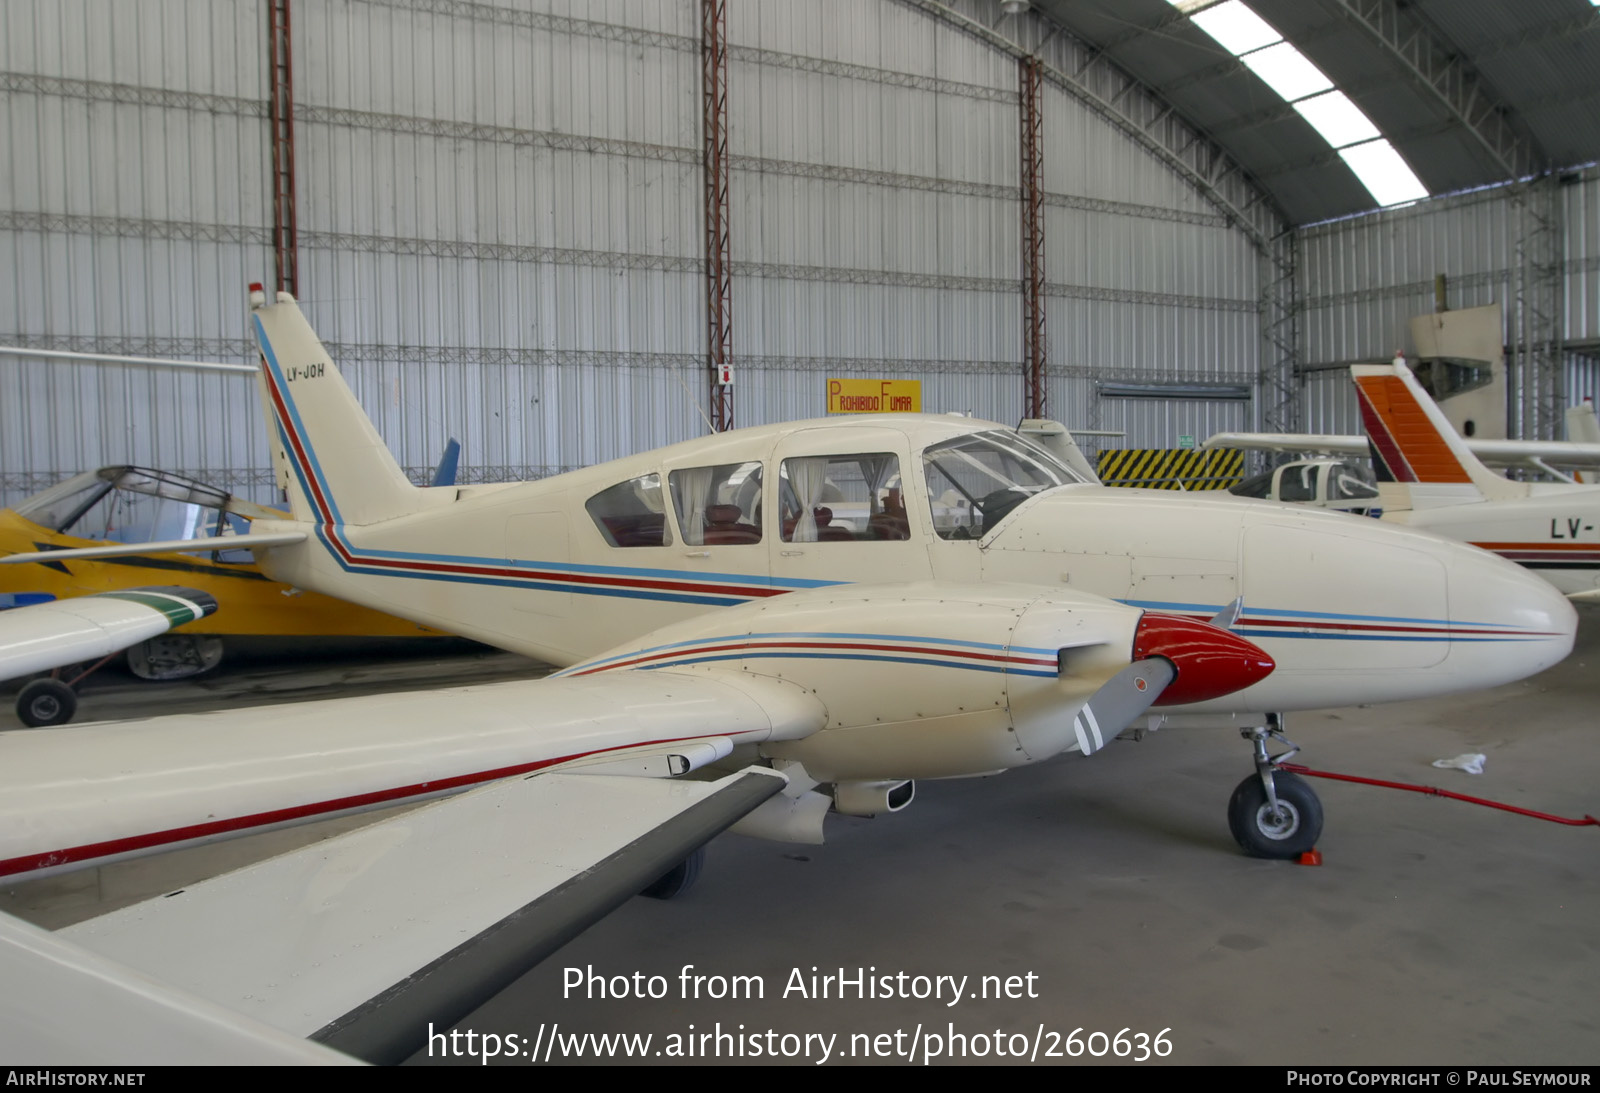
{"x": 1471, "y": 762}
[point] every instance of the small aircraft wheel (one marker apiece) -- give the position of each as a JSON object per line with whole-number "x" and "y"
{"x": 175, "y": 656}
{"x": 679, "y": 879}
{"x": 1288, "y": 834}
{"x": 46, "y": 702}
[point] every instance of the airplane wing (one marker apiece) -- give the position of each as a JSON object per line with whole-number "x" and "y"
{"x": 1288, "y": 442}
{"x": 42, "y": 636}
{"x": 1494, "y": 453}
{"x": 252, "y": 541}
{"x": 491, "y": 903}
{"x": 67, "y": 1006}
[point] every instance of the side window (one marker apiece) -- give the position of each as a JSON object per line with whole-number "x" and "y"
{"x": 1349, "y": 483}
{"x": 718, "y": 506}
{"x": 1259, "y": 486}
{"x": 843, "y": 498}
{"x": 1298, "y": 484}
{"x": 631, "y": 513}
{"x": 976, "y": 481}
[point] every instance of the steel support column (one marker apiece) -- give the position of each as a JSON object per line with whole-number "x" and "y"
{"x": 1280, "y": 382}
{"x": 1539, "y": 381}
{"x": 280, "y": 71}
{"x": 1033, "y": 347}
{"x": 719, "y": 280}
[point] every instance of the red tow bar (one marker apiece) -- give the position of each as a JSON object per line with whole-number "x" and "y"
{"x": 1296, "y": 768}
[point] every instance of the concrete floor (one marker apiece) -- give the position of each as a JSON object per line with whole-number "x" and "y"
{"x": 1435, "y": 932}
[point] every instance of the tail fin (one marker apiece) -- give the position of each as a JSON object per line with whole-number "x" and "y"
{"x": 332, "y": 462}
{"x": 1414, "y": 445}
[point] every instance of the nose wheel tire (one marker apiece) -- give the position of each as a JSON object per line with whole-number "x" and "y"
{"x": 46, "y": 702}
{"x": 1285, "y": 834}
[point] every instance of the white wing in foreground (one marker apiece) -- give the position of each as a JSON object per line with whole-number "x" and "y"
{"x": 424, "y": 917}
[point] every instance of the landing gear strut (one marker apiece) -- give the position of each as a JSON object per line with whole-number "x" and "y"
{"x": 1272, "y": 813}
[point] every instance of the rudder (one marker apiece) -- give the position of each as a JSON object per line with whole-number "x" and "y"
{"x": 1414, "y": 446}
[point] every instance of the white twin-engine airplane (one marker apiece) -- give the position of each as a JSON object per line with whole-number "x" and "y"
{"x": 754, "y": 628}
{"x": 1429, "y": 477}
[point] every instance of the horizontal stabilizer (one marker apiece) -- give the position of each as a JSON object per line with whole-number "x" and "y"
{"x": 1493, "y": 453}
{"x": 169, "y": 546}
{"x": 421, "y": 919}
{"x": 42, "y": 636}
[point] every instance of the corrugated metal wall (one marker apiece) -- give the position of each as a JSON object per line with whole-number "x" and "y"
{"x": 500, "y": 217}
{"x": 1363, "y": 279}
{"x": 132, "y": 210}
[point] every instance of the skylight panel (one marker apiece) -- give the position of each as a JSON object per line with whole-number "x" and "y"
{"x": 1383, "y": 172}
{"x": 1236, "y": 27}
{"x": 1285, "y": 69}
{"x": 1339, "y": 120}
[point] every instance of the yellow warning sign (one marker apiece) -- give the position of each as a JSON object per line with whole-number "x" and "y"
{"x": 1171, "y": 468}
{"x": 874, "y": 396}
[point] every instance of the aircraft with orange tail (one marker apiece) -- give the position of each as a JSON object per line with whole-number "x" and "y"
{"x": 1428, "y": 478}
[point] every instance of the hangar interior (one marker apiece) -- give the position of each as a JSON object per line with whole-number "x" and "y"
{"x": 543, "y": 227}
{"x": 496, "y": 215}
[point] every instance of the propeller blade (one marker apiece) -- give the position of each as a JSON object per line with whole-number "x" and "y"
{"x": 1176, "y": 661}
{"x": 1229, "y": 615}
{"x": 1124, "y": 697}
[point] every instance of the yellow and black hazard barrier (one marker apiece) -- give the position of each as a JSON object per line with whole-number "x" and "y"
{"x": 1172, "y": 468}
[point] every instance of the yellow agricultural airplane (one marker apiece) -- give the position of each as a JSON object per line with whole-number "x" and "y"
{"x": 134, "y": 505}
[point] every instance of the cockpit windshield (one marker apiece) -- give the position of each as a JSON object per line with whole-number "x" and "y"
{"x": 131, "y": 505}
{"x": 976, "y": 481}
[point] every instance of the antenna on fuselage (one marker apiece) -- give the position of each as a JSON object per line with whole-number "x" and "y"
{"x": 710, "y": 428}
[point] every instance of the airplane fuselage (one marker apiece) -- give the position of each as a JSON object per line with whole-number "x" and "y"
{"x": 1553, "y": 532}
{"x": 1350, "y": 610}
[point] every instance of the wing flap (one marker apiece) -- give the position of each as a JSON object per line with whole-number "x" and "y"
{"x": 423, "y": 917}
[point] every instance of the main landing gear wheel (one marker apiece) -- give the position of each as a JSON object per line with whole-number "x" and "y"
{"x": 679, "y": 879}
{"x": 175, "y": 656}
{"x": 1285, "y": 832}
{"x": 46, "y": 702}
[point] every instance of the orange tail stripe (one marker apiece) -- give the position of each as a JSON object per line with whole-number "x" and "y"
{"x": 1413, "y": 432}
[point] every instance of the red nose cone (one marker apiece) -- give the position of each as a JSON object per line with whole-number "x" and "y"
{"x": 1211, "y": 661}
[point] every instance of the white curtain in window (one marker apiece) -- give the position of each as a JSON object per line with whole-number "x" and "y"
{"x": 806, "y": 478}
{"x": 878, "y": 470}
{"x": 691, "y": 491}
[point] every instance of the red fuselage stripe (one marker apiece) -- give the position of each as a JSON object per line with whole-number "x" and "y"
{"x": 836, "y": 646}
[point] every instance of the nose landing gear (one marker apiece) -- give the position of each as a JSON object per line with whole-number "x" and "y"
{"x": 1272, "y": 813}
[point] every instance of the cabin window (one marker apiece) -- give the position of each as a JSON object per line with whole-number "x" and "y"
{"x": 843, "y": 498}
{"x": 718, "y": 506}
{"x": 976, "y": 481}
{"x": 1298, "y": 483}
{"x": 631, "y": 513}
{"x": 1259, "y": 486}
